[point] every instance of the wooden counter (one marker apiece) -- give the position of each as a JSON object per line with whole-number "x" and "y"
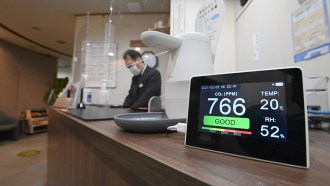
{"x": 100, "y": 153}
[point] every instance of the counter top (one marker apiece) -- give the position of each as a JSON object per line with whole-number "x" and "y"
{"x": 152, "y": 158}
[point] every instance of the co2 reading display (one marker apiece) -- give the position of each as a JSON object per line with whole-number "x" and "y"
{"x": 259, "y": 115}
{"x": 256, "y": 110}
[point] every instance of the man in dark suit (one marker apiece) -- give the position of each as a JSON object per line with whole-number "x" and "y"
{"x": 146, "y": 81}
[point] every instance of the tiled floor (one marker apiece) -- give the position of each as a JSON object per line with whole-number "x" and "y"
{"x": 24, "y": 171}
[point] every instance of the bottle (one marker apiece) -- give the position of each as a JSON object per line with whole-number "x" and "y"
{"x": 87, "y": 96}
{"x": 103, "y": 95}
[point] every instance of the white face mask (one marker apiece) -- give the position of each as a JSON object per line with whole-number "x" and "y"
{"x": 135, "y": 70}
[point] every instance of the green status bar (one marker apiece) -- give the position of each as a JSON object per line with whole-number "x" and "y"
{"x": 228, "y": 122}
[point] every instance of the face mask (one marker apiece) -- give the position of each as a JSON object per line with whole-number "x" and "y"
{"x": 135, "y": 70}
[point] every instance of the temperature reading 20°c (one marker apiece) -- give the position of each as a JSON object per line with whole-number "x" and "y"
{"x": 272, "y": 104}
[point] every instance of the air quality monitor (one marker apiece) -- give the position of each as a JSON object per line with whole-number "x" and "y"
{"x": 259, "y": 115}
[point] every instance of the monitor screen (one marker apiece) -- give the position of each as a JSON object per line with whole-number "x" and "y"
{"x": 253, "y": 110}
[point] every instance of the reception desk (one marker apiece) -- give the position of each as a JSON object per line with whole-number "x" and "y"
{"x": 100, "y": 153}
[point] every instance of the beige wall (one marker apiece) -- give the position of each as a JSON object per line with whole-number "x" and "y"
{"x": 25, "y": 77}
{"x": 225, "y": 55}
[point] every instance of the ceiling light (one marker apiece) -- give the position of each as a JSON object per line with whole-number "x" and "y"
{"x": 60, "y": 42}
{"x": 111, "y": 54}
{"x": 31, "y": 46}
{"x": 134, "y": 7}
{"x": 138, "y": 49}
{"x": 36, "y": 28}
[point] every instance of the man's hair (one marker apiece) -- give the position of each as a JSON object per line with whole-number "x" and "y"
{"x": 132, "y": 53}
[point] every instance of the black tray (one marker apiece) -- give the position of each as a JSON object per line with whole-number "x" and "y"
{"x": 146, "y": 122}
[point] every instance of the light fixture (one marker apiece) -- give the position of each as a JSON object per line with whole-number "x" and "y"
{"x": 60, "y": 42}
{"x": 36, "y": 28}
{"x": 138, "y": 49}
{"x": 134, "y": 7}
{"x": 31, "y": 46}
{"x": 111, "y": 54}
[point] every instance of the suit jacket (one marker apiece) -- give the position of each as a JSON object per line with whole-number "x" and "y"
{"x": 143, "y": 87}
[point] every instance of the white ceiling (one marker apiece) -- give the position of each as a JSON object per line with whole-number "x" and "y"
{"x": 56, "y": 20}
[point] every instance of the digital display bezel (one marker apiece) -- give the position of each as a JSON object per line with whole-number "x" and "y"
{"x": 293, "y": 152}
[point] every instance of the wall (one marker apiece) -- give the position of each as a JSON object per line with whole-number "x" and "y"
{"x": 127, "y": 27}
{"x": 64, "y": 68}
{"x": 225, "y": 56}
{"x": 64, "y": 71}
{"x": 25, "y": 78}
{"x": 191, "y": 10}
{"x": 272, "y": 20}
